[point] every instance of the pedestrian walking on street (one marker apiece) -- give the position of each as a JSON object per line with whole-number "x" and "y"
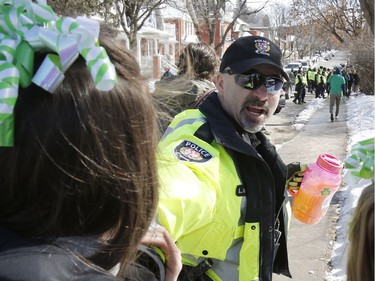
{"x": 304, "y": 85}
{"x": 223, "y": 193}
{"x": 311, "y": 79}
{"x": 350, "y": 81}
{"x": 356, "y": 81}
{"x": 320, "y": 84}
{"x": 346, "y": 75}
{"x": 328, "y": 75}
{"x": 336, "y": 84}
{"x": 289, "y": 85}
{"x": 299, "y": 87}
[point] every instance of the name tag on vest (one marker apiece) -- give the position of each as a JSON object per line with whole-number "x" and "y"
{"x": 240, "y": 190}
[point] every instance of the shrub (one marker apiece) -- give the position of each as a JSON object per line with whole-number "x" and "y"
{"x": 361, "y": 58}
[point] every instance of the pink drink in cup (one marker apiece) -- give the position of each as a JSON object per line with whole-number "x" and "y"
{"x": 320, "y": 182}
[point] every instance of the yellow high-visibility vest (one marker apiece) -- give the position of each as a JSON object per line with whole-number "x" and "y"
{"x": 194, "y": 207}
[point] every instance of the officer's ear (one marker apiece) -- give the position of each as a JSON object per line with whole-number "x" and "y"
{"x": 219, "y": 83}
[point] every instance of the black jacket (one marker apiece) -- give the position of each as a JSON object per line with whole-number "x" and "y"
{"x": 263, "y": 174}
{"x": 36, "y": 260}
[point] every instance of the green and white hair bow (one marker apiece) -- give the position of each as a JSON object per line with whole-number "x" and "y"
{"x": 26, "y": 28}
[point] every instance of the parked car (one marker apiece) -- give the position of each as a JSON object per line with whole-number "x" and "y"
{"x": 281, "y": 104}
{"x": 293, "y": 66}
{"x": 305, "y": 65}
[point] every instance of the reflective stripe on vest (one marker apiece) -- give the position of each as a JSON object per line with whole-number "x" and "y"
{"x": 170, "y": 130}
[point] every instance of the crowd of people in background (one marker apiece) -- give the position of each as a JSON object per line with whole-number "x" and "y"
{"x": 316, "y": 81}
{"x": 324, "y": 83}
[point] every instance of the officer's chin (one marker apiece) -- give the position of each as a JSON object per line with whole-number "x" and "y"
{"x": 252, "y": 127}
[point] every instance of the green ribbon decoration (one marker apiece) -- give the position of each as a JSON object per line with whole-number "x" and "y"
{"x": 8, "y": 96}
{"x": 24, "y": 61}
{"x": 101, "y": 71}
{"x": 27, "y": 27}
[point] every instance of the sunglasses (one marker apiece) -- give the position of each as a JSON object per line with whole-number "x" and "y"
{"x": 254, "y": 80}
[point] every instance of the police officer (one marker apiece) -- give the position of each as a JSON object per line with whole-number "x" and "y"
{"x": 299, "y": 87}
{"x": 311, "y": 79}
{"x": 222, "y": 194}
{"x": 320, "y": 84}
{"x": 304, "y": 84}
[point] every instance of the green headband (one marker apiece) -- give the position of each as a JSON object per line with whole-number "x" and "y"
{"x": 26, "y": 28}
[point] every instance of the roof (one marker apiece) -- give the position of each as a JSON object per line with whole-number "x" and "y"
{"x": 155, "y": 33}
{"x": 170, "y": 12}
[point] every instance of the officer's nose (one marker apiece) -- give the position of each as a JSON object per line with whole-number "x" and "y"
{"x": 261, "y": 92}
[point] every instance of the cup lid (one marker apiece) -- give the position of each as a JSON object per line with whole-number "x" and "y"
{"x": 330, "y": 163}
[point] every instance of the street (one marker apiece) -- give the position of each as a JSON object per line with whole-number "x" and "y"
{"x": 310, "y": 245}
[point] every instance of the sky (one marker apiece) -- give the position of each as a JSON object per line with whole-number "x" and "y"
{"x": 361, "y": 126}
{"x": 270, "y": 3}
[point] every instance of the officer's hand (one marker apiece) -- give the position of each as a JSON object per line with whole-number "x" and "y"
{"x": 296, "y": 171}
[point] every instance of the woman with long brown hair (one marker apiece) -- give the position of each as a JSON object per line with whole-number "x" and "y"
{"x": 79, "y": 185}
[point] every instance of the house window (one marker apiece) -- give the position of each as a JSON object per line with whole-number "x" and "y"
{"x": 188, "y": 28}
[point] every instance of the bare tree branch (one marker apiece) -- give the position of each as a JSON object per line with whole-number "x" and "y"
{"x": 342, "y": 18}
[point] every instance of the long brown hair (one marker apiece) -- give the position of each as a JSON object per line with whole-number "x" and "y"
{"x": 360, "y": 265}
{"x": 198, "y": 65}
{"x": 83, "y": 163}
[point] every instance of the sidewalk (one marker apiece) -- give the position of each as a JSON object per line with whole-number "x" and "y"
{"x": 309, "y": 245}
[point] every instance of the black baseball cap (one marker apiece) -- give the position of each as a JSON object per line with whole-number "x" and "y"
{"x": 249, "y": 51}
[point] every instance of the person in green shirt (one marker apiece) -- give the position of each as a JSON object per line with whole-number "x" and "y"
{"x": 336, "y": 87}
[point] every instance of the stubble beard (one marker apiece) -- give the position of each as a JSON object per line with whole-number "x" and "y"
{"x": 250, "y": 125}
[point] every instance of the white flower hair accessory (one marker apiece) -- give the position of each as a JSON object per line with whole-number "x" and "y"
{"x": 26, "y": 28}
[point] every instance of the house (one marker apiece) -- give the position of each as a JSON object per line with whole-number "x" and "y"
{"x": 160, "y": 49}
{"x": 154, "y": 50}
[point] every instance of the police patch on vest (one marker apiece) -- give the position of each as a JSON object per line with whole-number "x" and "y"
{"x": 189, "y": 151}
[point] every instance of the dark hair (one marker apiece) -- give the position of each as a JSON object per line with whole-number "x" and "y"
{"x": 83, "y": 163}
{"x": 197, "y": 61}
{"x": 361, "y": 237}
{"x": 337, "y": 70}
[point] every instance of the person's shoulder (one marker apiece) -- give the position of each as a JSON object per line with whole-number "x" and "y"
{"x": 48, "y": 261}
{"x": 203, "y": 85}
{"x": 186, "y": 122}
{"x": 189, "y": 131}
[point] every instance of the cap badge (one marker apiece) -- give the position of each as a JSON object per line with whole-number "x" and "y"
{"x": 262, "y": 47}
